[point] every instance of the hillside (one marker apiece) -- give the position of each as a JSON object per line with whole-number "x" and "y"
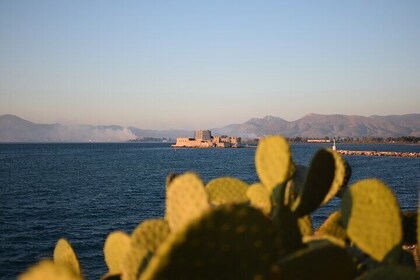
{"x": 316, "y": 125}
{"x": 15, "y": 129}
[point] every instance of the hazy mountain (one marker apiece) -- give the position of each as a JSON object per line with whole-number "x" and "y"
{"x": 254, "y": 127}
{"x": 316, "y": 125}
{"x": 15, "y": 129}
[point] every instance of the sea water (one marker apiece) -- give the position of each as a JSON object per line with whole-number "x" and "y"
{"x": 82, "y": 192}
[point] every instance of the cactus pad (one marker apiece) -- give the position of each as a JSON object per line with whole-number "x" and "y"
{"x": 341, "y": 176}
{"x": 133, "y": 263}
{"x": 305, "y": 225}
{"x": 321, "y": 261}
{"x": 318, "y": 182}
{"x": 371, "y": 216}
{"x": 332, "y": 227}
{"x": 259, "y": 197}
{"x": 227, "y": 190}
{"x": 65, "y": 255}
{"x": 150, "y": 234}
{"x": 395, "y": 272}
{"x": 116, "y": 247}
{"x": 286, "y": 220}
{"x": 297, "y": 182}
{"x": 186, "y": 200}
{"x": 273, "y": 161}
{"x": 110, "y": 276}
{"x": 48, "y": 270}
{"x": 231, "y": 242}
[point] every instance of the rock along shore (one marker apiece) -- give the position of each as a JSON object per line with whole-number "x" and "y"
{"x": 378, "y": 154}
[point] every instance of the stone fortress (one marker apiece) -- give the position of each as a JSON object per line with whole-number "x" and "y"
{"x": 203, "y": 139}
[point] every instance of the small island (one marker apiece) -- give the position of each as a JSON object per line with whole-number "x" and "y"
{"x": 204, "y": 139}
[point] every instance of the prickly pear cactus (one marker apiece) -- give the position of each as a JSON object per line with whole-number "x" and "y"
{"x": 116, "y": 247}
{"x": 371, "y": 216}
{"x": 227, "y": 190}
{"x": 342, "y": 173}
{"x": 273, "y": 161}
{"x": 305, "y": 225}
{"x": 170, "y": 178}
{"x": 229, "y": 230}
{"x": 111, "y": 277}
{"x": 231, "y": 242}
{"x": 65, "y": 255}
{"x": 186, "y": 200}
{"x": 317, "y": 185}
{"x": 133, "y": 263}
{"x": 150, "y": 234}
{"x": 297, "y": 182}
{"x": 49, "y": 270}
{"x": 145, "y": 240}
{"x": 409, "y": 222}
{"x": 286, "y": 220}
{"x": 332, "y": 227}
{"x": 395, "y": 272}
{"x": 259, "y": 197}
{"x": 320, "y": 261}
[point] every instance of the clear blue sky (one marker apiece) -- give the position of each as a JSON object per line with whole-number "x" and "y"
{"x": 202, "y": 64}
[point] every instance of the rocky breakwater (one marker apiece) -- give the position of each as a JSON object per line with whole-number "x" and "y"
{"x": 378, "y": 154}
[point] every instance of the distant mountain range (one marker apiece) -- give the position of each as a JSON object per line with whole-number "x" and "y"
{"x": 315, "y": 125}
{"x": 15, "y": 129}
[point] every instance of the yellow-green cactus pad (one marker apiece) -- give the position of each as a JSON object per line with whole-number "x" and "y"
{"x": 133, "y": 263}
{"x": 311, "y": 239}
{"x": 48, "y": 270}
{"x": 273, "y": 161}
{"x": 186, "y": 200}
{"x": 232, "y": 242}
{"x": 321, "y": 261}
{"x": 395, "y": 272}
{"x": 65, "y": 255}
{"x": 110, "y": 276}
{"x": 332, "y": 227}
{"x": 170, "y": 178}
{"x": 150, "y": 234}
{"x": 116, "y": 247}
{"x": 227, "y": 190}
{"x": 371, "y": 216}
{"x": 305, "y": 225}
{"x": 318, "y": 182}
{"x": 340, "y": 176}
{"x": 259, "y": 197}
{"x": 145, "y": 240}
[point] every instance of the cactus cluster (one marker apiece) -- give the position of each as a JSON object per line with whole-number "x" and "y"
{"x": 230, "y": 229}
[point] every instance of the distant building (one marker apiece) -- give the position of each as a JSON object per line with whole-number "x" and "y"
{"x": 204, "y": 135}
{"x": 319, "y": 141}
{"x": 203, "y": 139}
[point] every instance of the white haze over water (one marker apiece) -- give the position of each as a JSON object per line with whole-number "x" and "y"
{"x": 83, "y": 133}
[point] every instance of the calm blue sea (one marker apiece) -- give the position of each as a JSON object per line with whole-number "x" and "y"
{"x": 82, "y": 192}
